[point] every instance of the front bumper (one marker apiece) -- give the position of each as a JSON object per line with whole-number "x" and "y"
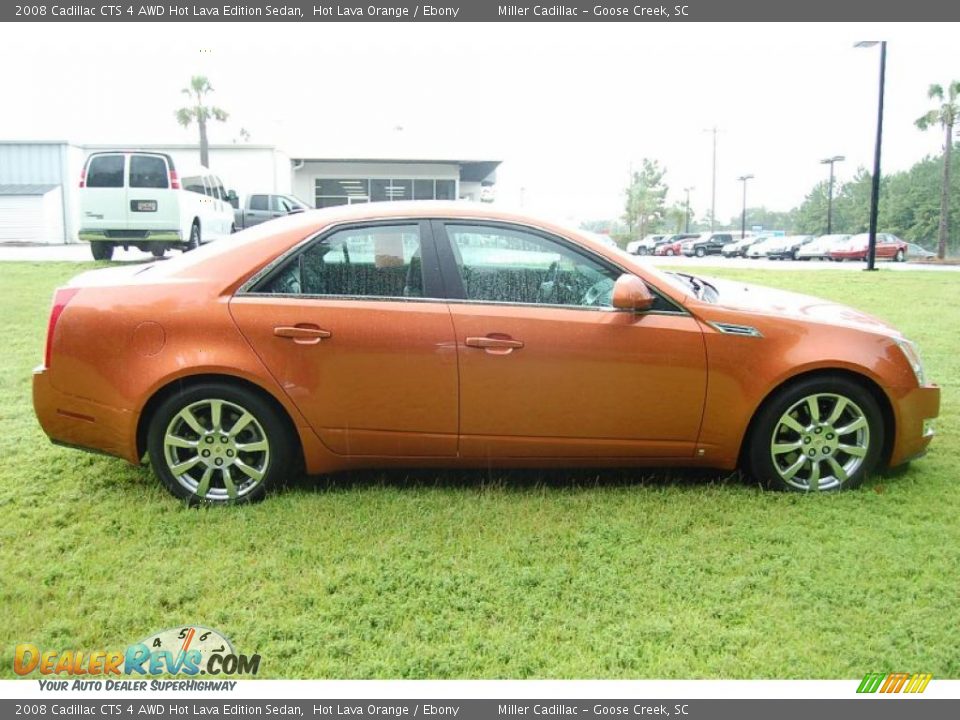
{"x": 914, "y": 409}
{"x": 82, "y": 423}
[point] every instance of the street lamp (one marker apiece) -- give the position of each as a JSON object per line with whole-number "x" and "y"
{"x": 875, "y": 189}
{"x": 830, "y": 161}
{"x": 743, "y": 216}
{"x": 687, "y": 223}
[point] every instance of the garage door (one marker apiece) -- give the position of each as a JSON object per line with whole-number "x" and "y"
{"x": 33, "y": 217}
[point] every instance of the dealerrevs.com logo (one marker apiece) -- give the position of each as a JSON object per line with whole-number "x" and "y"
{"x": 897, "y": 682}
{"x": 191, "y": 650}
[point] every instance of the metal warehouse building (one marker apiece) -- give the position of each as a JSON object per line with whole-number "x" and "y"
{"x": 39, "y": 180}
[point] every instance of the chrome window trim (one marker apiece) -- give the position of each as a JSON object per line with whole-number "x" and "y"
{"x": 736, "y": 329}
{"x": 246, "y": 291}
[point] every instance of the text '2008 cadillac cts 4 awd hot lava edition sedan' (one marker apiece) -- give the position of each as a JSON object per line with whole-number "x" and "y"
{"x": 453, "y": 335}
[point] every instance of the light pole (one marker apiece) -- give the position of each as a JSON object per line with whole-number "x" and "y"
{"x": 875, "y": 189}
{"x": 743, "y": 216}
{"x": 687, "y": 216}
{"x": 830, "y": 161}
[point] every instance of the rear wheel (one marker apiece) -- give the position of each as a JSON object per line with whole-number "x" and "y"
{"x": 194, "y": 242}
{"x": 669, "y": 252}
{"x": 101, "y": 250}
{"x": 157, "y": 251}
{"x": 218, "y": 444}
{"x": 823, "y": 433}
{"x": 700, "y": 252}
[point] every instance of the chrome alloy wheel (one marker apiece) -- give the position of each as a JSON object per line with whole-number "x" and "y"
{"x": 820, "y": 441}
{"x": 216, "y": 449}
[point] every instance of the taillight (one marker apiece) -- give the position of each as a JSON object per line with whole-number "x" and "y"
{"x": 60, "y": 299}
{"x": 174, "y": 180}
{"x": 83, "y": 177}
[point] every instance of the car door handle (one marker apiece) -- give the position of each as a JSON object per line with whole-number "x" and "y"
{"x": 493, "y": 344}
{"x": 303, "y": 334}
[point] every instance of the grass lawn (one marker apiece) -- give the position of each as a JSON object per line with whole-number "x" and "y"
{"x": 503, "y": 574}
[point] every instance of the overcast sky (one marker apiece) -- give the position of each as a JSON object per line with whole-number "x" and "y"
{"x": 567, "y": 107}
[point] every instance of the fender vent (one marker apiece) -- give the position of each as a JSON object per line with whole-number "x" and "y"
{"x": 732, "y": 329}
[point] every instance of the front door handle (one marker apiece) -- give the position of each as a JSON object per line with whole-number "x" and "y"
{"x": 304, "y": 334}
{"x": 494, "y": 344}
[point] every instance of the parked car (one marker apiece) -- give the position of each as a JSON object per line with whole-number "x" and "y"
{"x": 888, "y": 247}
{"x": 760, "y": 249}
{"x": 645, "y": 246}
{"x": 738, "y": 248}
{"x": 788, "y": 248}
{"x": 297, "y": 345}
{"x": 707, "y": 243}
{"x": 917, "y": 252}
{"x": 601, "y": 238}
{"x": 670, "y": 244}
{"x": 261, "y": 207}
{"x": 137, "y": 199}
{"x": 820, "y": 248}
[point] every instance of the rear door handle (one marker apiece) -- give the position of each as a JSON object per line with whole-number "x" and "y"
{"x": 303, "y": 334}
{"x": 494, "y": 344}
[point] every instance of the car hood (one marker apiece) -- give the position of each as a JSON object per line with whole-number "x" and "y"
{"x": 760, "y": 300}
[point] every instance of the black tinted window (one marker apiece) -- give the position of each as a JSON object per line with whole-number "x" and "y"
{"x": 382, "y": 261}
{"x": 194, "y": 183}
{"x": 105, "y": 171}
{"x": 258, "y": 202}
{"x": 506, "y": 265}
{"x": 148, "y": 171}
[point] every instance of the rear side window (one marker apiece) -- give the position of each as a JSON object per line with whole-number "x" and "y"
{"x": 105, "y": 171}
{"x": 148, "y": 171}
{"x": 194, "y": 183}
{"x": 258, "y": 202}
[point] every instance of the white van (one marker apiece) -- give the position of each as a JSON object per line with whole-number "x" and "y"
{"x": 137, "y": 199}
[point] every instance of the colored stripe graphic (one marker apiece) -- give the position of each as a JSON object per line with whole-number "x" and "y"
{"x": 894, "y": 682}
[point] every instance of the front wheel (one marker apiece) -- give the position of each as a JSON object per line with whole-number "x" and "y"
{"x": 218, "y": 444}
{"x": 669, "y": 252}
{"x": 823, "y": 434}
{"x": 900, "y": 256}
{"x": 700, "y": 252}
{"x": 101, "y": 250}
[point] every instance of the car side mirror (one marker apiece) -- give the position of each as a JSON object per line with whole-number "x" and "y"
{"x": 232, "y": 198}
{"x": 631, "y": 293}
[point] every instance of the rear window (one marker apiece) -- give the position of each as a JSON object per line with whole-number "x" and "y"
{"x": 105, "y": 171}
{"x": 148, "y": 171}
{"x": 194, "y": 183}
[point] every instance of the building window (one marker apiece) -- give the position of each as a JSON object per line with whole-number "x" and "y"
{"x": 329, "y": 192}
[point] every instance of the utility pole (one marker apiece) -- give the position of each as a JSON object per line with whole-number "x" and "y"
{"x": 743, "y": 216}
{"x": 713, "y": 183}
{"x": 830, "y": 161}
{"x": 687, "y": 224}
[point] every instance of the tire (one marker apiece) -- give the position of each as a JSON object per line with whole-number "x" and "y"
{"x": 795, "y": 255}
{"x": 900, "y": 256}
{"x": 669, "y": 252}
{"x": 101, "y": 250}
{"x": 263, "y": 467}
{"x": 700, "y": 252}
{"x": 194, "y": 242}
{"x": 233, "y": 228}
{"x": 158, "y": 251}
{"x": 786, "y": 422}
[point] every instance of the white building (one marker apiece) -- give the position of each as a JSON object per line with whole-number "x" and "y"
{"x": 39, "y": 181}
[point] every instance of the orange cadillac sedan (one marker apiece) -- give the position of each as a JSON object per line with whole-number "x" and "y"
{"x": 453, "y": 335}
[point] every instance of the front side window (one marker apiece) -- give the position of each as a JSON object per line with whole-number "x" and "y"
{"x": 148, "y": 171}
{"x": 513, "y": 266}
{"x": 381, "y": 261}
{"x": 105, "y": 171}
{"x": 258, "y": 202}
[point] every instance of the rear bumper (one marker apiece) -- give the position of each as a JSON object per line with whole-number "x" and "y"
{"x": 914, "y": 409}
{"x": 77, "y": 422}
{"x": 130, "y": 237}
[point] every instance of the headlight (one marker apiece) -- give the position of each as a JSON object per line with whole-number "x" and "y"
{"x": 912, "y": 353}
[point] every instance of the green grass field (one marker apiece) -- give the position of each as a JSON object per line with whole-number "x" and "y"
{"x": 501, "y": 574}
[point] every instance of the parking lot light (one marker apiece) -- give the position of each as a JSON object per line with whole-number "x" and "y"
{"x": 743, "y": 215}
{"x": 875, "y": 188}
{"x": 830, "y": 161}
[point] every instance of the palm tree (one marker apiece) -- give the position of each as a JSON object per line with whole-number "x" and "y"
{"x": 945, "y": 115}
{"x": 199, "y": 88}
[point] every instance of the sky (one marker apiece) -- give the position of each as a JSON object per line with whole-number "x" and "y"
{"x": 569, "y": 108}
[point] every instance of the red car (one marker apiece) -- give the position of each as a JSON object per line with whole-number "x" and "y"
{"x": 888, "y": 246}
{"x": 668, "y": 248}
